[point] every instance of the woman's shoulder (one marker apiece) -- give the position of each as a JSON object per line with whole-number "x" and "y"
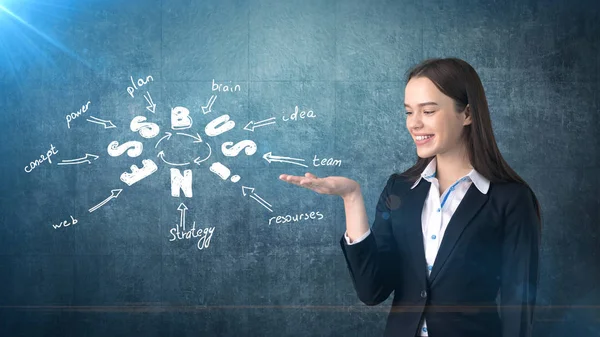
{"x": 399, "y": 182}
{"x": 509, "y": 188}
{"x": 511, "y": 195}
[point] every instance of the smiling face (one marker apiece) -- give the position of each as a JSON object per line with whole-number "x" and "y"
{"x": 432, "y": 120}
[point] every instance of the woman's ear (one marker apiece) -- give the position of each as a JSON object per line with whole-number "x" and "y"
{"x": 467, "y": 112}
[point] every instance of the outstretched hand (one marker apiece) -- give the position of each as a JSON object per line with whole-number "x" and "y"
{"x": 335, "y": 185}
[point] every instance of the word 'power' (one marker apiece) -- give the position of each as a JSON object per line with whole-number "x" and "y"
{"x": 70, "y": 117}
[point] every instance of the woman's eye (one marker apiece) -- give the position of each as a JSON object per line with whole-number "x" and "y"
{"x": 426, "y": 112}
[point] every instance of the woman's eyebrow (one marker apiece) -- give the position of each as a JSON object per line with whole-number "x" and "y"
{"x": 421, "y": 104}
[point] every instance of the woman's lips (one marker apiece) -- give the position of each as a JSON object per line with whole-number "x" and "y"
{"x": 424, "y": 141}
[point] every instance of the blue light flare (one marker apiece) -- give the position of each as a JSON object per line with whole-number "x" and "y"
{"x": 24, "y": 48}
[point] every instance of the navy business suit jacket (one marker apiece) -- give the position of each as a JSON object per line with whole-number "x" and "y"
{"x": 490, "y": 245}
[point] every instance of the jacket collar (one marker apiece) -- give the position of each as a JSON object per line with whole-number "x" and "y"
{"x": 429, "y": 173}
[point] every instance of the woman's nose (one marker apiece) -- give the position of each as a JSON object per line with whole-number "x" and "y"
{"x": 414, "y": 122}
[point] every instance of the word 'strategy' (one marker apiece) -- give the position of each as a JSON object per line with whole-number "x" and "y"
{"x": 66, "y": 223}
{"x": 70, "y": 117}
{"x": 178, "y": 232}
{"x": 38, "y": 162}
{"x": 203, "y": 235}
{"x": 295, "y": 218}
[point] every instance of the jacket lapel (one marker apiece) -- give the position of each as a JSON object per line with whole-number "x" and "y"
{"x": 466, "y": 210}
{"x": 411, "y": 217}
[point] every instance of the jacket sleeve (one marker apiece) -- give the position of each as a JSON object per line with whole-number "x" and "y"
{"x": 520, "y": 254}
{"x": 373, "y": 261}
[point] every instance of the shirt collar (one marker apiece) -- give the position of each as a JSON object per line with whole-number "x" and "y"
{"x": 481, "y": 182}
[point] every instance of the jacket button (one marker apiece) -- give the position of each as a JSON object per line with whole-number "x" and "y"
{"x": 423, "y": 293}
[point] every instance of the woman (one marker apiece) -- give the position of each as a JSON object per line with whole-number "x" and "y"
{"x": 460, "y": 190}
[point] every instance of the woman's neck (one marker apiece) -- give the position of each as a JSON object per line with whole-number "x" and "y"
{"x": 452, "y": 166}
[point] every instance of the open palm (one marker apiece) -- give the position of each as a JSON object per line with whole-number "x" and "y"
{"x": 335, "y": 185}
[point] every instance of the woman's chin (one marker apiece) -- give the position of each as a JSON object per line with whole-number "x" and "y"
{"x": 425, "y": 154}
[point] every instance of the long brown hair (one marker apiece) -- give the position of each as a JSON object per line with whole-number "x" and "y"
{"x": 458, "y": 80}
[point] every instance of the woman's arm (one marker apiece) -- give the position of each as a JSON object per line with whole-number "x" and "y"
{"x": 372, "y": 262}
{"x": 520, "y": 257}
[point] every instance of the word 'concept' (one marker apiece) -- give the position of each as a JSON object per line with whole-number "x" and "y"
{"x": 296, "y": 218}
{"x": 203, "y": 235}
{"x": 224, "y": 88}
{"x": 71, "y": 117}
{"x": 38, "y": 162}
{"x": 140, "y": 83}
{"x": 66, "y": 223}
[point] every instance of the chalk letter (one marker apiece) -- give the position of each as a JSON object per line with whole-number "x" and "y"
{"x": 180, "y": 118}
{"x": 146, "y": 129}
{"x": 181, "y": 182}
{"x": 137, "y": 174}
{"x": 212, "y": 128}
{"x": 135, "y": 148}
{"x": 238, "y": 147}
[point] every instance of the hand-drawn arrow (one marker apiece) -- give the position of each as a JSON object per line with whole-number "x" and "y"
{"x": 168, "y": 136}
{"x": 182, "y": 209}
{"x": 256, "y": 197}
{"x": 107, "y": 124}
{"x": 197, "y": 138}
{"x": 161, "y": 155}
{"x": 79, "y": 160}
{"x": 198, "y": 160}
{"x": 113, "y": 194}
{"x": 151, "y": 106}
{"x": 269, "y": 157}
{"x": 206, "y": 109}
{"x": 250, "y": 126}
